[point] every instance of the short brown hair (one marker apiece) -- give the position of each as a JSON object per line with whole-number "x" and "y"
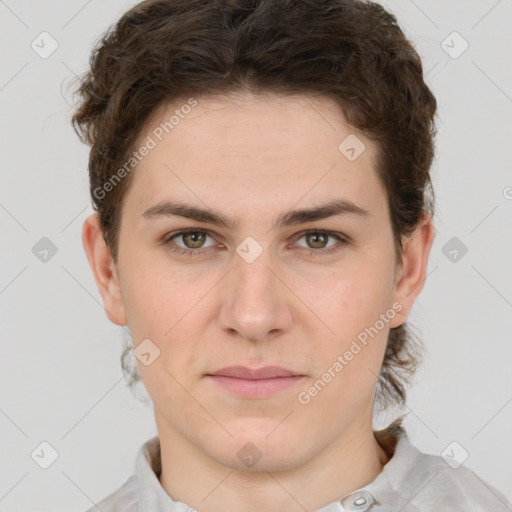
{"x": 351, "y": 51}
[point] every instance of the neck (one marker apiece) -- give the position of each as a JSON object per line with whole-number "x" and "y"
{"x": 190, "y": 476}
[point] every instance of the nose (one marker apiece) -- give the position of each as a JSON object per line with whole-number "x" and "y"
{"x": 255, "y": 301}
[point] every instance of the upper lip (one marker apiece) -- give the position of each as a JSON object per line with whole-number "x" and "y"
{"x": 242, "y": 372}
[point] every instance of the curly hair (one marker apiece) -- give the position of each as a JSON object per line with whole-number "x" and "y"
{"x": 351, "y": 51}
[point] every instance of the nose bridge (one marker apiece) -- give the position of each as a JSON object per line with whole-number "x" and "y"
{"x": 254, "y": 276}
{"x": 254, "y": 303}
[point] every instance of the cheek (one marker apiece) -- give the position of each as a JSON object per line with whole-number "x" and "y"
{"x": 352, "y": 304}
{"x": 347, "y": 363}
{"x": 157, "y": 296}
{"x": 148, "y": 304}
{"x": 355, "y": 299}
{"x": 170, "y": 307}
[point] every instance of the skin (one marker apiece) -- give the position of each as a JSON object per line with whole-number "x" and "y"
{"x": 296, "y": 306}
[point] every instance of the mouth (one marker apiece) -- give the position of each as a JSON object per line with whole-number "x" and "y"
{"x": 255, "y": 383}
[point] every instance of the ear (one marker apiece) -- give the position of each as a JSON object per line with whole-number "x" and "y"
{"x": 104, "y": 269}
{"x": 412, "y": 271}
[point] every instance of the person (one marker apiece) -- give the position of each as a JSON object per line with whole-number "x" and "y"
{"x": 263, "y": 220}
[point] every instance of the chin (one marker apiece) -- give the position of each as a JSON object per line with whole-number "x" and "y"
{"x": 257, "y": 454}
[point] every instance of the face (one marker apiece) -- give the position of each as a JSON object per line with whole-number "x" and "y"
{"x": 217, "y": 269}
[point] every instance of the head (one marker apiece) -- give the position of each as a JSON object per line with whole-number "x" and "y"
{"x": 224, "y": 119}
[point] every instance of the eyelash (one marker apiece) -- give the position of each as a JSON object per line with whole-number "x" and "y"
{"x": 312, "y": 252}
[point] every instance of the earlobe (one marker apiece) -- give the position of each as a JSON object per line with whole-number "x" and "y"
{"x": 104, "y": 269}
{"x": 411, "y": 277}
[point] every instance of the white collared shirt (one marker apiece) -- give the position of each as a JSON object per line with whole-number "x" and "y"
{"x": 411, "y": 481}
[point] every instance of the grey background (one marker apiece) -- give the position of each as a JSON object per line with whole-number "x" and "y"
{"x": 61, "y": 380}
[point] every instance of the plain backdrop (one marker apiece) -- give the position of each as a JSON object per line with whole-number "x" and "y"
{"x": 61, "y": 381}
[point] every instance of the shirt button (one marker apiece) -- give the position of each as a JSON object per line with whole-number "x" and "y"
{"x": 359, "y": 500}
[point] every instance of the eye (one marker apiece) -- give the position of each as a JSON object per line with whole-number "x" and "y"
{"x": 318, "y": 241}
{"x": 193, "y": 241}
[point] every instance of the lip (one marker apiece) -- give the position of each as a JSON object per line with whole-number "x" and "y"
{"x": 255, "y": 382}
{"x": 243, "y": 372}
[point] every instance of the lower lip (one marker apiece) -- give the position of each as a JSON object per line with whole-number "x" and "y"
{"x": 255, "y": 388}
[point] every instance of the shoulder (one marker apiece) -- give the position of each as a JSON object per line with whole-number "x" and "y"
{"x": 455, "y": 488}
{"x": 125, "y": 499}
{"x": 419, "y": 482}
{"x": 431, "y": 483}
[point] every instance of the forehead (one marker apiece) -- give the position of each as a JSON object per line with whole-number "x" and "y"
{"x": 254, "y": 151}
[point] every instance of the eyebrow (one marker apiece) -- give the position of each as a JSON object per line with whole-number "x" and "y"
{"x": 336, "y": 207}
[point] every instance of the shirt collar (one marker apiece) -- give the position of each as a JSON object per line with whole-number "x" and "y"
{"x": 403, "y": 456}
